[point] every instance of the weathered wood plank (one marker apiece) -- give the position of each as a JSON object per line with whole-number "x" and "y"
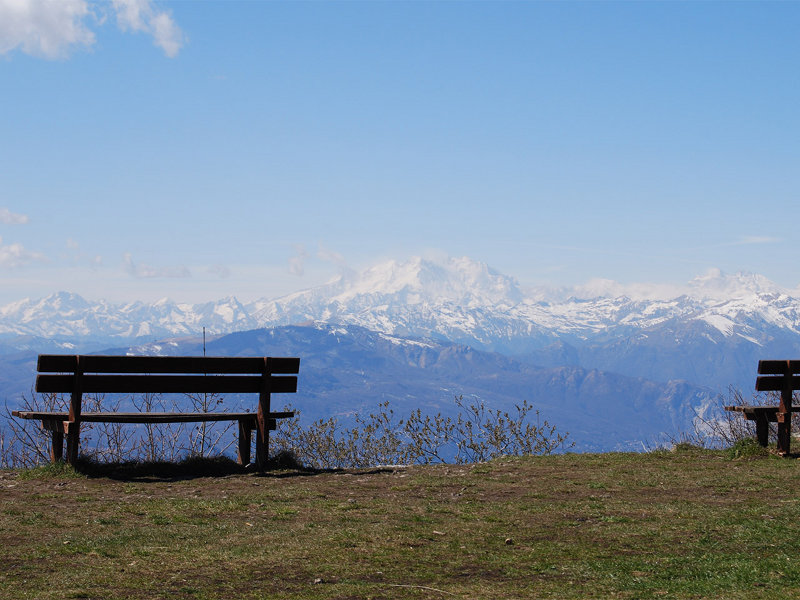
{"x": 772, "y": 383}
{"x": 760, "y": 414}
{"x": 168, "y": 384}
{"x": 756, "y": 409}
{"x": 777, "y": 367}
{"x": 144, "y": 417}
{"x": 61, "y": 363}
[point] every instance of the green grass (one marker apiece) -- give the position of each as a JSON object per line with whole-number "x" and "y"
{"x": 685, "y": 524}
{"x": 746, "y": 447}
{"x": 59, "y": 470}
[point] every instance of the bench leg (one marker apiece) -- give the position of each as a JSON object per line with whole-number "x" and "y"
{"x": 56, "y": 429}
{"x": 245, "y": 441}
{"x": 762, "y": 429}
{"x": 73, "y": 442}
{"x": 57, "y": 447}
{"x": 262, "y": 445}
{"x": 784, "y": 433}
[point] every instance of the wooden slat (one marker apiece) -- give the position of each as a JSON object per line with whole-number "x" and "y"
{"x": 777, "y": 367}
{"x": 60, "y": 363}
{"x": 757, "y": 409}
{"x": 281, "y": 414}
{"x": 771, "y": 383}
{"x": 168, "y": 384}
{"x": 137, "y": 417}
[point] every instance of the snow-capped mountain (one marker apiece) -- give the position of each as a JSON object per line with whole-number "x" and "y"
{"x": 708, "y": 331}
{"x": 69, "y": 316}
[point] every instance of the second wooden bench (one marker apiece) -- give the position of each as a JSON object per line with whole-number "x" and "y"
{"x": 774, "y": 376}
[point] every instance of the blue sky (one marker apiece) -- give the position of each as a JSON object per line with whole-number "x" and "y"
{"x": 203, "y": 149}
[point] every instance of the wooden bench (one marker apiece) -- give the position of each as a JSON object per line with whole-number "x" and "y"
{"x": 78, "y": 375}
{"x": 775, "y": 376}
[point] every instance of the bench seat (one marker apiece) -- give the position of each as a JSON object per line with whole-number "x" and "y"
{"x": 753, "y": 412}
{"x": 150, "y": 417}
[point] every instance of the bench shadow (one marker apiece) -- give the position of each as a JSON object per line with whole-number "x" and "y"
{"x": 279, "y": 467}
{"x": 187, "y": 469}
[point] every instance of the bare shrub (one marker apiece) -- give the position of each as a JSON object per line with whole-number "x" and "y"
{"x": 717, "y": 428}
{"x": 206, "y": 437}
{"x": 430, "y": 437}
{"x": 155, "y": 442}
{"x": 476, "y": 434}
{"x": 482, "y": 434}
{"x": 104, "y": 442}
{"x": 323, "y": 444}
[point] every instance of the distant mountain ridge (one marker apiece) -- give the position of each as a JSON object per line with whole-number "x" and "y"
{"x": 347, "y": 370}
{"x": 710, "y": 332}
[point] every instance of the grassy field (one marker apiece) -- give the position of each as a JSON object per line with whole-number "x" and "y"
{"x": 685, "y": 524}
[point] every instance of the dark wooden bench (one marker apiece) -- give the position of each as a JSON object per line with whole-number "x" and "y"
{"x": 78, "y": 375}
{"x": 775, "y": 376}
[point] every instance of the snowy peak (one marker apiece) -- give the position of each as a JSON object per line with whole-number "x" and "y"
{"x": 419, "y": 280}
{"x": 228, "y": 310}
{"x": 61, "y": 302}
{"x": 716, "y": 285}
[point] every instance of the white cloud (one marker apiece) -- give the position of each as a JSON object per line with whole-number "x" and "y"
{"x": 745, "y": 240}
{"x": 54, "y": 28}
{"x": 9, "y": 218}
{"x": 297, "y": 263}
{"x": 143, "y": 271}
{"x": 142, "y": 16}
{"x": 331, "y": 256}
{"x": 757, "y": 239}
{"x": 15, "y": 255}
{"x": 608, "y": 288}
{"x": 46, "y": 28}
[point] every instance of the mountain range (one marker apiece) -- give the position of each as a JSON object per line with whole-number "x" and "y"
{"x": 710, "y": 333}
{"x": 614, "y": 346}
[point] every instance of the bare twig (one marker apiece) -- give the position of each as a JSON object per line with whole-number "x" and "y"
{"x": 420, "y": 587}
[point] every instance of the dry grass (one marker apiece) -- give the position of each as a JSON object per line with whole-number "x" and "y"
{"x": 688, "y": 524}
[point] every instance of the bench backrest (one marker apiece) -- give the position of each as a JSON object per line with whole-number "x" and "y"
{"x": 774, "y": 375}
{"x": 166, "y": 374}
